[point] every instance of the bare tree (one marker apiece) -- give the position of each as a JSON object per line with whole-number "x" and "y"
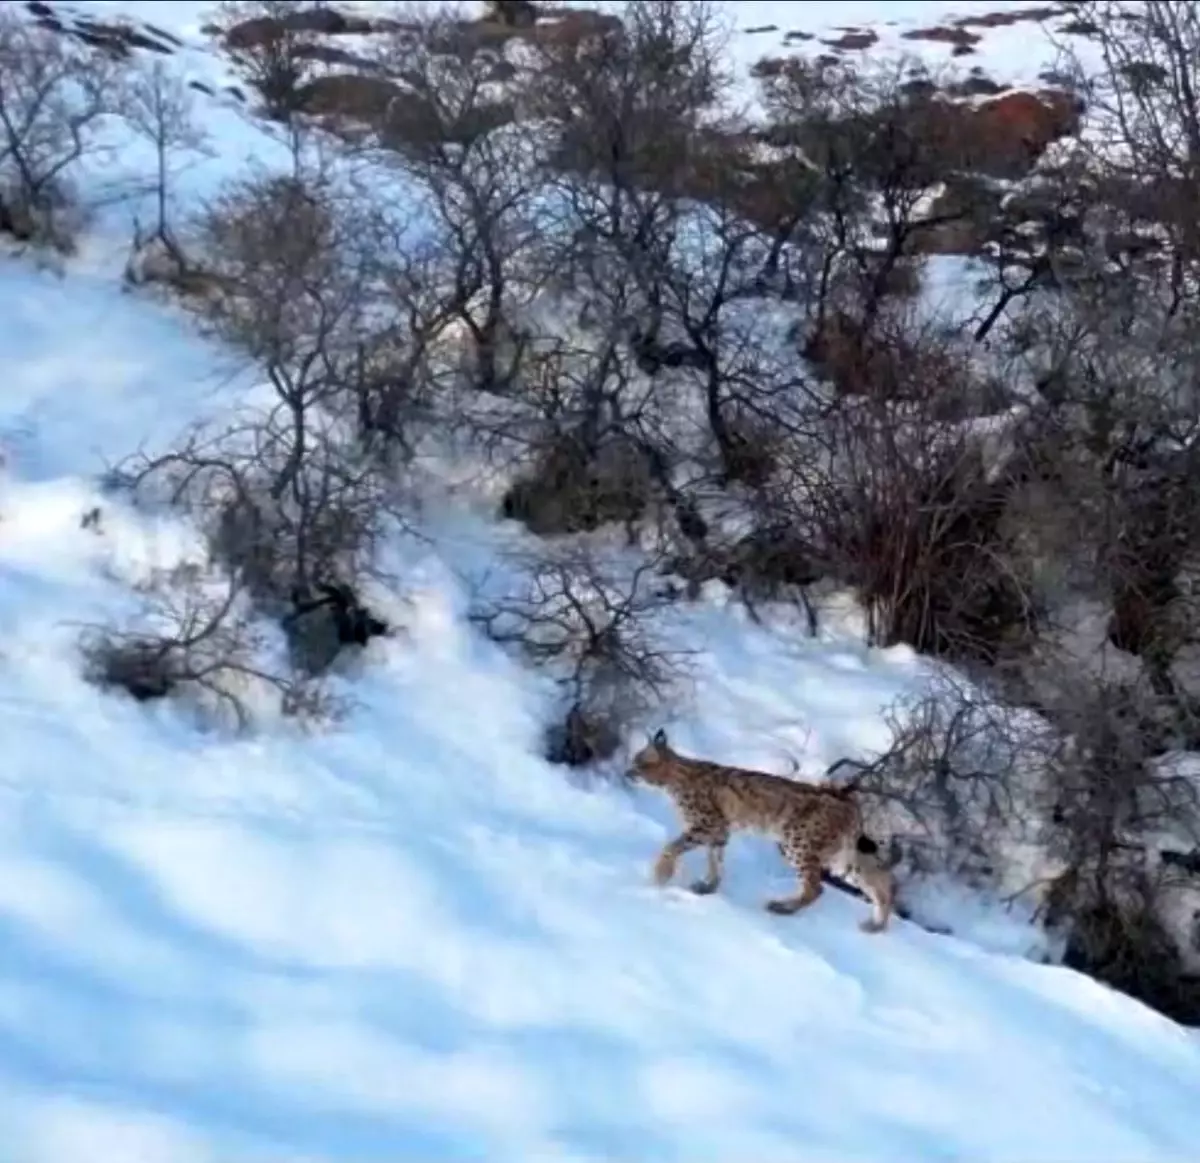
{"x": 863, "y": 147}
{"x": 160, "y": 110}
{"x": 1144, "y": 110}
{"x": 622, "y": 105}
{"x": 751, "y": 388}
{"x": 476, "y": 174}
{"x": 626, "y": 106}
{"x": 54, "y": 97}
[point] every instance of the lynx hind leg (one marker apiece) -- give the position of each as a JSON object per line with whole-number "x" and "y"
{"x": 868, "y": 873}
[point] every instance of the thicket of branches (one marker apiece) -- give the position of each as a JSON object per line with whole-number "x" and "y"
{"x": 591, "y": 627}
{"x": 651, "y": 313}
{"x": 55, "y": 97}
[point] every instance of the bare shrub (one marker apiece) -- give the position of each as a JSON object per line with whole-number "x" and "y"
{"x": 1108, "y": 321}
{"x": 627, "y": 104}
{"x": 592, "y": 627}
{"x": 54, "y": 96}
{"x": 891, "y": 493}
{"x": 576, "y": 431}
{"x": 633, "y": 114}
{"x": 1117, "y": 807}
{"x": 862, "y": 146}
{"x": 1143, "y": 92}
{"x": 288, "y": 495}
{"x": 294, "y": 533}
{"x": 906, "y": 504}
{"x": 1118, "y": 430}
{"x": 751, "y": 392}
{"x": 961, "y": 789}
{"x": 568, "y": 491}
{"x": 1118, "y": 452}
{"x": 199, "y": 641}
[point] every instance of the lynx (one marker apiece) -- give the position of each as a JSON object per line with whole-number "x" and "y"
{"x": 818, "y": 826}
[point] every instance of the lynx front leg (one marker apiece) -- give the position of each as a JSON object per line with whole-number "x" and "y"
{"x": 664, "y": 866}
{"x": 716, "y": 868}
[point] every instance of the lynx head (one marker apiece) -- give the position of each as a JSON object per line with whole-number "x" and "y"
{"x": 652, "y": 761}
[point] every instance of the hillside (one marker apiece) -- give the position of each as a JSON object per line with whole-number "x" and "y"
{"x": 412, "y": 936}
{"x": 374, "y": 920}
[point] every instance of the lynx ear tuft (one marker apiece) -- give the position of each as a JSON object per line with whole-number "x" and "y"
{"x": 660, "y": 738}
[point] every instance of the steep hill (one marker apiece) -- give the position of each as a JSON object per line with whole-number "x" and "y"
{"x": 406, "y": 935}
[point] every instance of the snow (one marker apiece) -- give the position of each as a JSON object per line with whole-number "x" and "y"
{"x": 408, "y": 937}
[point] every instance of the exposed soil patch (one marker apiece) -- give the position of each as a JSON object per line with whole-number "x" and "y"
{"x": 1005, "y": 18}
{"x": 963, "y": 40}
{"x": 854, "y": 39}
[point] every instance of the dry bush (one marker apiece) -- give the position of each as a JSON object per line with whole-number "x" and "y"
{"x": 627, "y": 105}
{"x": 569, "y": 491}
{"x": 1115, "y": 352}
{"x": 1118, "y": 451}
{"x": 55, "y": 95}
{"x": 926, "y": 561}
{"x": 199, "y": 641}
{"x": 291, "y": 496}
{"x": 1116, "y": 806}
{"x": 577, "y": 435}
{"x": 294, "y": 526}
{"x": 637, "y": 122}
{"x": 862, "y": 147}
{"x": 593, "y": 629}
{"x": 890, "y": 357}
{"x": 908, "y": 509}
{"x": 752, "y": 394}
{"x": 961, "y": 788}
{"x": 1143, "y": 91}
{"x": 641, "y": 131}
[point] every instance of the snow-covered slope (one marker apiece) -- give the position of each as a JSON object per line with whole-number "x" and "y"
{"x": 410, "y": 937}
{"x": 413, "y": 939}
